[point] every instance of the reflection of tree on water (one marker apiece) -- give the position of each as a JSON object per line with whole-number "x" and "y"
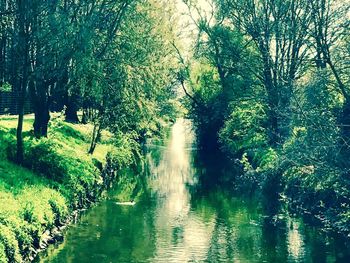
{"x": 183, "y": 219}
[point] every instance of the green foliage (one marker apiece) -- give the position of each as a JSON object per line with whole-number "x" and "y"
{"x": 37, "y": 206}
{"x": 128, "y": 93}
{"x": 243, "y": 131}
{"x": 266, "y": 159}
{"x": 28, "y": 209}
{"x": 47, "y": 161}
{"x": 246, "y": 164}
{"x": 8, "y": 239}
{"x": 125, "y": 151}
{"x": 315, "y": 134}
{"x": 66, "y": 130}
{"x": 3, "y": 257}
{"x": 59, "y": 209}
{"x": 206, "y": 82}
{"x": 219, "y": 80}
{"x": 209, "y": 110}
{"x": 6, "y": 140}
{"x": 5, "y": 87}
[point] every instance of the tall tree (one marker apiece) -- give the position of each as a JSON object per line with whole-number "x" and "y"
{"x": 279, "y": 31}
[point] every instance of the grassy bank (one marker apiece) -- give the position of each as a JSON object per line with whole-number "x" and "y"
{"x": 58, "y": 177}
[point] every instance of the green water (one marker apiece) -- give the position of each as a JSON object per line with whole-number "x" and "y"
{"x": 179, "y": 220}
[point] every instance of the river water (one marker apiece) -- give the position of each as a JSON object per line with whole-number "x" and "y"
{"x": 177, "y": 219}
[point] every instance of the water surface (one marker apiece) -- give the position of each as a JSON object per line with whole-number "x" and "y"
{"x": 177, "y": 220}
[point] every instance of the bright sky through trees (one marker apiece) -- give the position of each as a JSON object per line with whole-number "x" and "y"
{"x": 187, "y": 27}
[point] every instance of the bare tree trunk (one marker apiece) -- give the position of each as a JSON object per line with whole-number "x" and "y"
{"x": 72, "y": 108}
{"x": 96, "y": 134}
{"x": 22, "y": 77}
{"x": 42, "y": 118}
{"x": 42, "y": 101}
{"x": 20, "y": 149}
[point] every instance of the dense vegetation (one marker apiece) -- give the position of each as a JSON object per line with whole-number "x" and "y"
{"x": 267, "y": 82}
{"x": 270, "y": 86}
{"x": 108, "y": 70}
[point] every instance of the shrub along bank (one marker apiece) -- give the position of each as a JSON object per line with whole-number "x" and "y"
{"x": 57, "y": 178}
{"x": 305, "y": 170}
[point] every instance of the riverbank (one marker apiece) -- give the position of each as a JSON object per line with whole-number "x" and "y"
{"x": 321, "y": 198}
{"x": 311, "y": 181}
{"x": 58, "y": 179}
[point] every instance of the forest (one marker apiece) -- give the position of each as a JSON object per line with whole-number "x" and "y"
{"x": 85, "y": 83}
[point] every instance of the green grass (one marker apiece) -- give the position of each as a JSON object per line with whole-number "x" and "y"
{"x": 10, "y": 122}
{"x": 29, "y": 204}
{"x": 58, "y": 176}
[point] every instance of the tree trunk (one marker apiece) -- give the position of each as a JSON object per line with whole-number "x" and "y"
{"x": 272, "y": 98}
{"x": 41, "y": 122}
{"x": 22, "y": 52}
{"x": 96, "y": 134}
{"x": 85, "y": 117}
{"x": 72, "y": 113}
{"x": 72, "y": 108}
{"x": 20, "y": 149}
{"x": 42, "y": 100}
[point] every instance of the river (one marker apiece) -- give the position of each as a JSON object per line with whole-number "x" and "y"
{"x": 177, "y": 220}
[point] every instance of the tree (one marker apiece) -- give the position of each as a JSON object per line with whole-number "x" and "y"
{"x": 279, "y": 31}
{"x": 21, "y": 50}
{"x": 224, "y": 75}
{"x": 133, "y": 84}
{"x": 329, "y": 27}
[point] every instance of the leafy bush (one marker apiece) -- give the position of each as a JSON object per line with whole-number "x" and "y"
{"x": 66, "y": 130}
{"x": 8, "y": 144}
{"x": 3, "y": 257}
{"x": 8, "y": 239}
{"x": 266, "y": 159}
{"x": 5, "y": 87}
{"x": 41, "y": 156}
{"x": 24, "y": 232}
{"x": 244, "y": 132}
{"x": 59, "y": 207}
{"x": 127, "y": 148}
{"x": 37, "y": 205}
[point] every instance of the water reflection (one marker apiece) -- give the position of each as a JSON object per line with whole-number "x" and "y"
{"x": 295, "y": 241}
{"x": 178, "y": 220}
{"x": 180, "y": 235}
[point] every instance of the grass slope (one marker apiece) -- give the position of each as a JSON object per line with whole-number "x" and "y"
{"x": 58, "y": 176}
